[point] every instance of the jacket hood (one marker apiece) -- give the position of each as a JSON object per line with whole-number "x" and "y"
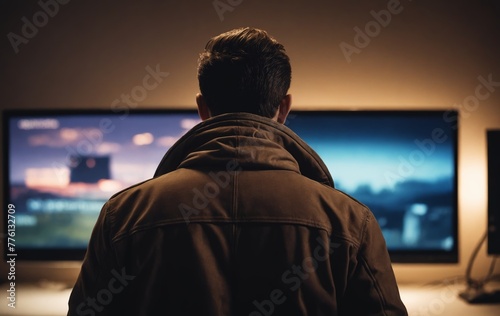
{"x": 248, "y": 140}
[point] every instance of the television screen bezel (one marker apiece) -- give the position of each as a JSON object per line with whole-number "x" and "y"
{"x": 70, "y": 254}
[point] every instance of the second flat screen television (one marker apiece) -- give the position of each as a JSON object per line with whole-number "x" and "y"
{"x": 60, "y": 168}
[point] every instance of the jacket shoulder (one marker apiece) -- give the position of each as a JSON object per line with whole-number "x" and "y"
{"x": 349, "y": 217}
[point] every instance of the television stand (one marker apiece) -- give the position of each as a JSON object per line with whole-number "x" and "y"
{"x": 480, "y": 296}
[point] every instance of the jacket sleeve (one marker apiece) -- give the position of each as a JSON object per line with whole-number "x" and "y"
{"x": 372, "y": 287}
{"x": 92, "y": 288}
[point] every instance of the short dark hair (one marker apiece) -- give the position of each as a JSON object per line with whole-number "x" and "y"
{"x": 244, "y": 70}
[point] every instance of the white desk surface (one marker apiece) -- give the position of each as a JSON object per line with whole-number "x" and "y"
{"x": 52, "y": 299}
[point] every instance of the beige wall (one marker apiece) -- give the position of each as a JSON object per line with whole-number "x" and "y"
{"x": 429, "y": 56}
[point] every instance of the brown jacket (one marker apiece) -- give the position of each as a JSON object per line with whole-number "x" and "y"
{"x": 241, "y": 218}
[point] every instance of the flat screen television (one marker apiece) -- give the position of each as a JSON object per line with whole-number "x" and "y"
{"x": 493, "y": 164}
{"x": 61, "y": 166}
{"x": 402, "y": 165}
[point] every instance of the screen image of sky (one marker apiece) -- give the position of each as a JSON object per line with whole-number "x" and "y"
{"x": 135, "y": 143}
{"x": 402, "y": 166}
{"x": 377, "y": 151}
{"x": 57, "y": 201}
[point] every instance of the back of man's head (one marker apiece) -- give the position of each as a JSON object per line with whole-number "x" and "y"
{"x": 244, "y": 70}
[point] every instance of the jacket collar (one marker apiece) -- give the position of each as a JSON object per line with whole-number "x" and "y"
{"x": 248, "y": 140}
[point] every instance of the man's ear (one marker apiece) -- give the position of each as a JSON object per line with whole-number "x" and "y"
{"x": 284, "y": 108}
{"x": 203, "y": 110}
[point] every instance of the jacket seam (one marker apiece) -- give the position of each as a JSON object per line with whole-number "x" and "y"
{"x": 225, "y": 220}
{"x": 366, "y": 266}
{"x": 376, "y": 285}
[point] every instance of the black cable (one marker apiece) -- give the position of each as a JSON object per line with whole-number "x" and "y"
{"x": 478, "y": 284}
